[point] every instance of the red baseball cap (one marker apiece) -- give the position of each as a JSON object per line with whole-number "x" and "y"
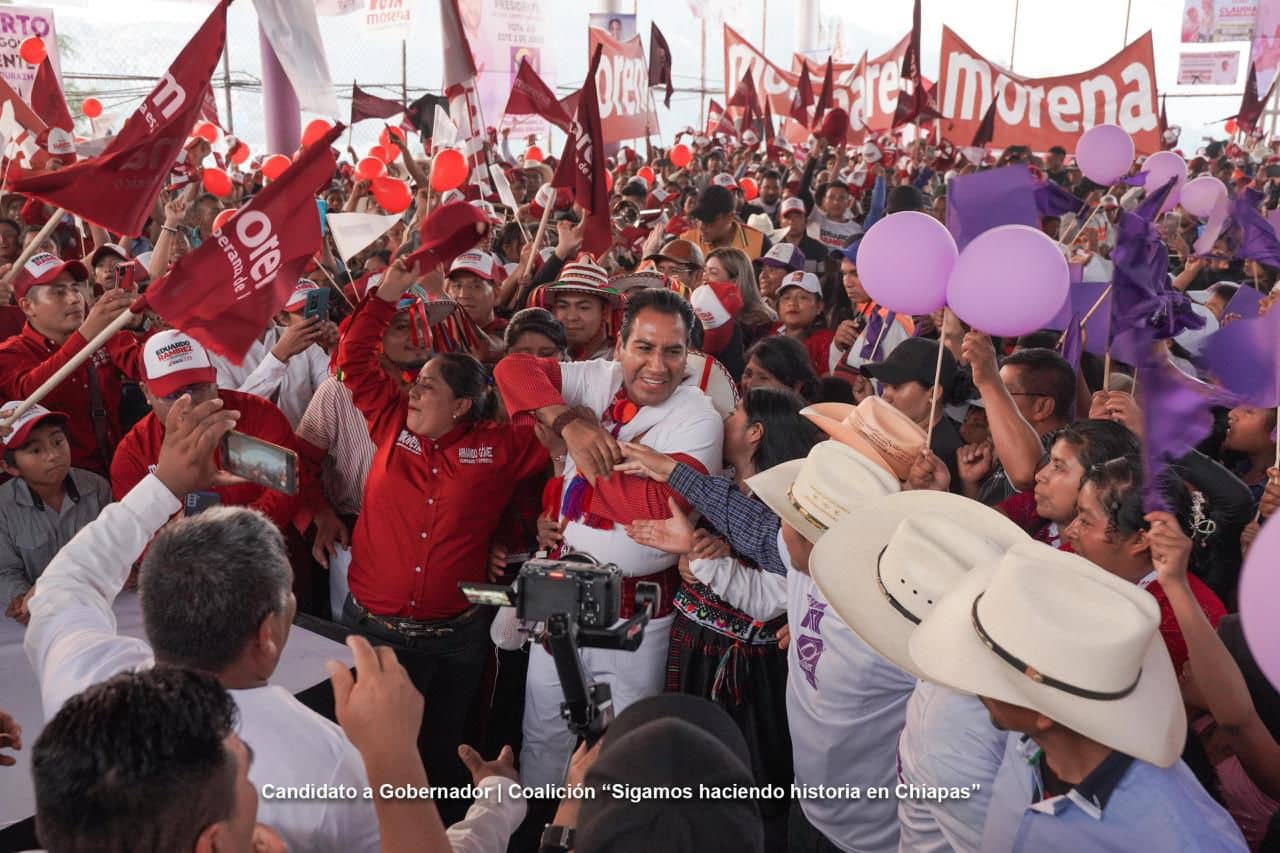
{"x": 20, "y": 430}
{"x": 44, "y": 268}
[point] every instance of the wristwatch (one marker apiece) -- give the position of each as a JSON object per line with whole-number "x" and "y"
{"x": 556, "y": 839}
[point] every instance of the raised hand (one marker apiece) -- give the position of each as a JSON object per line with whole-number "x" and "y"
{"x": 673, "y": 535}
{"x": 191, "y": 434}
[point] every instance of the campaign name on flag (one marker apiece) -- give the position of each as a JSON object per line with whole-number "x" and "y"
{"x": 623, "y": 85}
{"x": 117, "y": 189}
{"x": 1047, "y": 111}
{"x": 226, "y": 291}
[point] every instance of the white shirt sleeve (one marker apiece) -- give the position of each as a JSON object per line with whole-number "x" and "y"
{"x": 760, "y": 595}
{"x": 490, "y": 821}
{"x": 262, "y": 382}
{"x": 71, "y": 641}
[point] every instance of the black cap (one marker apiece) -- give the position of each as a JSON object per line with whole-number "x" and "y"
{"x": 713, "y": 201}
{"x": 914, "y": 360}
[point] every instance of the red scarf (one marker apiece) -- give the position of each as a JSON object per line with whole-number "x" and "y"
{"x": 577, "y": 497}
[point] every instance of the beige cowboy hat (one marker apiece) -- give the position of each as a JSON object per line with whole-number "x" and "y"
{"x": 1050, "y": 631}
{"x": 814, "y": 493}
{"x": 883, "y": 570}
{"x": 875, "y": 428}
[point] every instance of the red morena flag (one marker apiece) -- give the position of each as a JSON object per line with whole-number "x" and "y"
{"x": 804, "y": 97}
{"x": 826, "y": 97}
{"x": 582, "y": 167}
{"x": 225, "y": 293}
{"x": 660, "y": 62}
{"x": 530, "y": 95}
{"x": 118, "y": 188}
{"x": 47, "y": 98}
{"x": 364, "y": 105}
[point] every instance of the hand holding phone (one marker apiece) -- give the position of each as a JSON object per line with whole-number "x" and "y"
{"x": 269, "y": 465}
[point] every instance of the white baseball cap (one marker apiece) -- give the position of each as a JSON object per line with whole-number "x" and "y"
{"x": 724, "y": 179}
{"x": 298, "y": 299}
{"x": 804, "y": 280}
{"x": 20, "y": 430}
{"x": 791, "y": 204}
{"x": 477, "y": 263}
{"x": 172, "y": 360}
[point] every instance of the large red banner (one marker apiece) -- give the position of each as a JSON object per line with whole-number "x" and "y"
{"x": 623, "y": 85}
{"x": 867, "y": 90}
{"x": 1046, "y": 111}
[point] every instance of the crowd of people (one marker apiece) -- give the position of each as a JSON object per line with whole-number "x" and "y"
{"x": 906, "y": 595}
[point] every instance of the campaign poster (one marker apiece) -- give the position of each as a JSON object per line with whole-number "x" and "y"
{"x": 501, "y": 33}
{"x": 1213, "y": 21}
{"x": 620, "y": 26}
{"x": 1219, "y": 68}
{"x": 18, "y": 23}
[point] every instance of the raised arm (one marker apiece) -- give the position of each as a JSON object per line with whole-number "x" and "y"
{"x": 1016, "y": 442}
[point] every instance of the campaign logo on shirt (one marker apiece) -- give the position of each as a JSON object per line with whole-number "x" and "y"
{"x": 409, "y": 442}
{"x": 475, "y": 455}
{"x": 809, "y": 649}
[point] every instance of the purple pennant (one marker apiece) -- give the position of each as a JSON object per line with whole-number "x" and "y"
{"x": 1244, "y": 359}
{"x": 1177, "y": 413}
{"x": 986, "y": 200}
{"x": 1071, "y": 342}
{"x": 1053, "y": 200}
{"x": 1252, "y": 235}
{"x": 1245, "y": 304}
{"x": 1138, "y": 180}
{"x": 1083, "y": 295}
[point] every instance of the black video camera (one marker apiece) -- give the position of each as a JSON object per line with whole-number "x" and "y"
{"x": 589, "y": 594}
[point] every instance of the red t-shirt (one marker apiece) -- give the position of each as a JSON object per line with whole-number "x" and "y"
{"x": 430, "y": 507}
{"x": 818, "y": 344}
{"x": 29, "y": 358}
{"x": 1169, "y": 630}
{"x": 138, "y": 454}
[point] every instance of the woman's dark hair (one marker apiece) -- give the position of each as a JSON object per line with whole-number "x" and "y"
{"x": 508, "y": 233}
{"x": 467, "y": 380}
{"x": 1119, "y": 483}
{"x": 787, "y": 434}
{"x": 1096, "y": 442}
{"x": 836, "y": 306}
{"x": 788, "y": 361}
{"x": 538, "y": 320}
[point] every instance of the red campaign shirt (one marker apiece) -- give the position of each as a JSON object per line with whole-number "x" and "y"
{"x": 430, "y": 507}
{"x": 29, "y": 358}
{"x": 818, "y": 344}
{"x": 528, "y": 384}
{"x": 11, "y": 321}
{"x": 138, "y": 454}
{"x": 1169, "y": 630}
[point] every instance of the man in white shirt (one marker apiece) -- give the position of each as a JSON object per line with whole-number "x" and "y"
{"x": 830, "y": 222}
{"x": 216, "y": 592}
{"x": 287, "y": 364}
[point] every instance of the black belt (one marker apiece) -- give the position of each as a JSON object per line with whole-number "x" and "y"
{"x": 405, "y": 631}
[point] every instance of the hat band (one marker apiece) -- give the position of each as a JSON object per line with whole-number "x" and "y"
{"x": 804, "y": 513}
{"x": 1039, "y": 677}
{"x": 897, "y": 605}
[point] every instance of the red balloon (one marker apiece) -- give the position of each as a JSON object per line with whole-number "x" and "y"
{"x": 750, "y": 190}
{"x": 217, "y": 182}
{"x": 385, "y": 153}
{"x": 646, "y": 173}
{"x": 91, "y": 107}
{"x": 681, "y": 155}
{"x": 384, "y": 138}
{"x": 370, "y": 168}
{"x": 392, "y": 195}
{"x": 221, "y": 218}
{"x": 449, "y": 170}
{"x": 534, "y": 153}
{"x": 206, "y": 131}
{"x": 32, "y": 50}
{"x": 239, "y": 154}
{"x": 316, "y": 129}
{"x": 275, "y": 165}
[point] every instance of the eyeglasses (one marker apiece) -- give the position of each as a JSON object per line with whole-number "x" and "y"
{"x": 196, "y": 391}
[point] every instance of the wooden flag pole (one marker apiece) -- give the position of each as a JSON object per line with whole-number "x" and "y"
{"x": 937, "y": 381}
{"x": 33, "y": 247}
{"x": 537, "y": 238}
{"x": 1088, "y": 314}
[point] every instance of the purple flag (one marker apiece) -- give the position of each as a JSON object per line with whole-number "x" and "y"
{"x": 1244, "y": 358}
{"x": 1177, "y": 415}
{"x": 1071, "y": 342}
{"x": 1053, "y": 200}
{"x": 986, "y": 200}
{"x": 1245, "y": 304}
{"x": 1252, "y": 235}
{"x": 1083, "y": 296}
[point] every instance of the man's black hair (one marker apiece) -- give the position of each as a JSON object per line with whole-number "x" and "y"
{"x": 661, "y": 300}
{"x": 1046, "y": 372}
{"x": 137, "y": 762}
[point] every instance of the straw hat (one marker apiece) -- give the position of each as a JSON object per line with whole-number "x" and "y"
{"x": 873, "y": 427}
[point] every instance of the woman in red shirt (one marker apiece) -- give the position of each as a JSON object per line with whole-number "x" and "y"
{"x": 800, "y": 308}
{"x": 442, "y": 475}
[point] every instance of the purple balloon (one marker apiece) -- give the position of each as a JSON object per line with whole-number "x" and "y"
{"x": 1160, "y": 167}
{"x": 905, "y": 260}
{"x": 1010, "y": 281}
{"x": 1259, "y": 591}
{"x": 1104, "y": 153}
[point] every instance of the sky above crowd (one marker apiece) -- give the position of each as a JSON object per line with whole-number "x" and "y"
{"x": 140, "y": 37}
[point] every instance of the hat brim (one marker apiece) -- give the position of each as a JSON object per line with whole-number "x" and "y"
{"x": 892, "y": 374}
{"x": 179, "y": 379}
{"x": 844, "y": 564}
{"x": 1149, "y": 724}
{"x": 23, "y": 434}
{"x": 609, "y": 296}
{"x": 771, "y": 487}
{"x": 831, "y": 419}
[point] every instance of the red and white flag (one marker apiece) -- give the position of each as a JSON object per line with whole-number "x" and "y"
{"x": 117, "y": 189}
{"x": 460, "y": 88}
{"x": 224, "y": 293}
{"x": 582, "y": 167}
{"x": 530, "y": 95}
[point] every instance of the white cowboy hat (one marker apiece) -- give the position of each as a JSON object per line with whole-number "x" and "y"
{"x": 814, "y": 493}
{"x": 712, "y": 378}
{"x": 1050, "y": 631}
{"x": 884, "y": 569}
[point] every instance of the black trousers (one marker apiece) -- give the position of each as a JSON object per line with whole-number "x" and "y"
{"x": 804, "y": 837}
{"x": 447, "y": 671}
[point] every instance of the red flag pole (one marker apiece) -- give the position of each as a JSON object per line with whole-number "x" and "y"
{"x": 76, "y": 360}
{"x": 33, "y": 247}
